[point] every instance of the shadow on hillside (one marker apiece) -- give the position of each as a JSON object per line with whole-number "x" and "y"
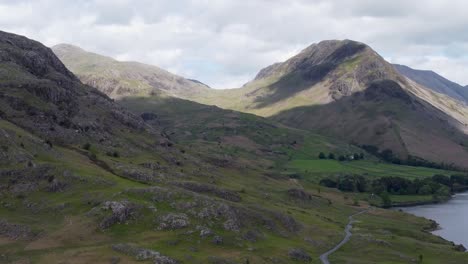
{"x": 378, "y": 116}
{"x": 306, "y": 74}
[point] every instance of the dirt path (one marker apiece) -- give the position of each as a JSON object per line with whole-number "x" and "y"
{"x": 324, "y": 256}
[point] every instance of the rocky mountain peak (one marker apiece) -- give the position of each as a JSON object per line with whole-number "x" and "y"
{"x": 31, "y": 55}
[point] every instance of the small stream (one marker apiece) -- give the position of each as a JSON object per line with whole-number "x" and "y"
{"x": 452, "y": 217}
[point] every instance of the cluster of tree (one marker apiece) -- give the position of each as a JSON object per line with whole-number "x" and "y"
{"x": 388, "y": 156}
{"x": 440, "y": 186}
{"x": 332, "y": 156}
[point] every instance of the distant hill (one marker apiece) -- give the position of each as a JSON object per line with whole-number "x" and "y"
{"x": 435, "y": 82}
{"x": 118, "y": 79}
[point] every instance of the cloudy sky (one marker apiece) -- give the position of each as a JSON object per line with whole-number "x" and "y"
{"x": 225, "y": 42}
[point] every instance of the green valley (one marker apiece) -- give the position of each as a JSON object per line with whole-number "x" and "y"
{"x": 137, "y": 170}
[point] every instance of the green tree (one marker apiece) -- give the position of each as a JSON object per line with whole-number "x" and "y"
{"x": 425, "y": 190}
{"x": 386, "y": 200}
{"x": 442, "y": 179}
{"x": 356, "y": 201}
{"x": 321, "y": 155}
{"x": 331, "y": 156}
{"x": 442, "y": 193}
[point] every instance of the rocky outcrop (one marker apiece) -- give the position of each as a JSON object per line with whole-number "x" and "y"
{"x": 299, "y": 255}
{"x": 217, "y": 240}
{"x": 299, "y": 194}
{"x": 173, "y": 221}
{"x": 141, "y": 254}
{"x": 121, "y": 212}
{"x": 15, "y": 231}
{"x": 210, "y": 189}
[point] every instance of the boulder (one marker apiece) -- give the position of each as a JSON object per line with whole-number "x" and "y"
{"x": 173, "y": 221}
{"x": 299, "y": 255}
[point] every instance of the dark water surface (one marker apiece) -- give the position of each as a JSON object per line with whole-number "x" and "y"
{"x": 452, "y": 217}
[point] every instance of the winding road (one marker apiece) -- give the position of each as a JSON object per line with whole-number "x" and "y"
{"x": 324, "y": 256}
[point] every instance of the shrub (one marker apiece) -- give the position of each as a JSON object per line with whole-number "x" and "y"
{"x": 48, "y": 142}
{"x": 328, "y": 183}
{"x": 87, "y": 146}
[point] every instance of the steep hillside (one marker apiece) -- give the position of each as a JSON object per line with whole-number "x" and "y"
{"x": 325, "y": 89}
{"x": 435, "y": 82}
{"x": 118, "y": 79}
{"x": 40, "y": 95}
{"x": 387, "y": 117}
{"x": 320, "y": 74}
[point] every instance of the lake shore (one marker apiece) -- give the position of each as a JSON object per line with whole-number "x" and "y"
{"x": 447, "y": 217}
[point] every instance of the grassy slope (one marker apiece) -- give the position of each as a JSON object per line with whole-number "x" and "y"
{"x": 70, "y": 234}
{"x": 302, "y": 159}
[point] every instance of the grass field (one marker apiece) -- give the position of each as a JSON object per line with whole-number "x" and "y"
{"x": 374, "y": 169}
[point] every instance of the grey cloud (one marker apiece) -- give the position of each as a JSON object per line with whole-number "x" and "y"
{"x": 225, "y": 42}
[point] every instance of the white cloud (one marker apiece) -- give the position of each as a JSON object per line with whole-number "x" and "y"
{"x": 225, "y": 42}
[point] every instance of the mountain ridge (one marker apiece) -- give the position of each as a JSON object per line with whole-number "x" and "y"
{"x": 124, "y": 78}
{"x": 329, "y": 71}
{"x": 436, "y": 82}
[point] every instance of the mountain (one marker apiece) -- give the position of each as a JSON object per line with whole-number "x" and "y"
{"x": 41, "y": 95}
{"x": 118, "y": 79}
{"x": 320, "y": 74}
{"x": 435, "y": 82}
{"x": 325, "y": 76}
{"x": 346, "y": 90}
{"x": 157, "y": 179}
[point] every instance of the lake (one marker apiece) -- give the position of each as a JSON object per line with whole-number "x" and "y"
{"x": 451, "y": 216}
